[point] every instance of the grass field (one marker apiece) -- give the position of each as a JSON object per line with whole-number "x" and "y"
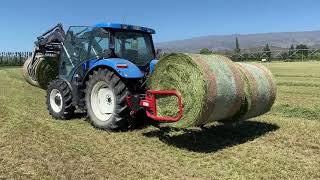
{"x": 284, "y": 143}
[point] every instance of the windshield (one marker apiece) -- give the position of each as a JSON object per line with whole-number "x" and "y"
{"x": 136, "y": 47}
{"x": 82, "y": 43}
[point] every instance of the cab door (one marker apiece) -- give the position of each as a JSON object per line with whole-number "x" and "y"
{"x": 75, "y": 50}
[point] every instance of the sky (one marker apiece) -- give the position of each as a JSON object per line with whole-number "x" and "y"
{"x": 22, "y": 21}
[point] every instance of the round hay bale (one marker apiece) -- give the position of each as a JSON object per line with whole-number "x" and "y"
{"x": 210, "y": 85}
{"x": 260, "y": 89}
{"x": 26, "y": 73}
{"x": 46, "y": 69}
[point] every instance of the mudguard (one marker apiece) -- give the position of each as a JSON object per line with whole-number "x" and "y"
{"x": 124, "y": 68}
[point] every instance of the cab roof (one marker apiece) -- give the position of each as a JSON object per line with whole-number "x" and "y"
{"x": 125, "y": 27}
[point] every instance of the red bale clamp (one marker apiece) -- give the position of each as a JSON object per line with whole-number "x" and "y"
{"x": 150, "y": 103}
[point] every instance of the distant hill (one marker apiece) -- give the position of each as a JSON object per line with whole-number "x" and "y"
{"x": 248, "y": 41}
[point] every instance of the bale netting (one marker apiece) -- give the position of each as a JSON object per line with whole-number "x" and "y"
{"x": 260, "y": 89}
{"x": 213, "y": 88}
{"x": 210, "y": 86}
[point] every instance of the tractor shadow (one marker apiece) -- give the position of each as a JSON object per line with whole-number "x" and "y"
{"x": 213, "y": 138}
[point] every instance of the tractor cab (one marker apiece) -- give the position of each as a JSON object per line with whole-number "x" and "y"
{"x": 85, "y": 46}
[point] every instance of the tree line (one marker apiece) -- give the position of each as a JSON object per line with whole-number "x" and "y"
{"x": 13, "y": 58}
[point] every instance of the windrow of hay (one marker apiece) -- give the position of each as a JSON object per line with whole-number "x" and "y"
{"x": 213, "y": 88}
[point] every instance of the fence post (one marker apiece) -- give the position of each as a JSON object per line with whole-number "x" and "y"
{"x": 1, "y": 56}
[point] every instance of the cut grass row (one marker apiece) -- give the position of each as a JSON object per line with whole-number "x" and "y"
{"x": 298, "y": 89}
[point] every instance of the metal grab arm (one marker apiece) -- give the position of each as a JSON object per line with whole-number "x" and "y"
{"x": 150, "y": 103}
{"x": 59, "y": 26}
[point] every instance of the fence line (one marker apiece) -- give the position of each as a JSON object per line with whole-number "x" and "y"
{"x": 13, "y": 58}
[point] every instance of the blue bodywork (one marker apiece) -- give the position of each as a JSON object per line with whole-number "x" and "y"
{"x": 131, "y": 71}
{"x": 152, "y": 65}
{"x": 125, "y": 27}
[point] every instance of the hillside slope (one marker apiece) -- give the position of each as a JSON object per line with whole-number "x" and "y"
{"x": 227, "y": 42}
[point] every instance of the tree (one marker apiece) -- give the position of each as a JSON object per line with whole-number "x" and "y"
{"x": 237, "y": 49}
{"x": 284, "y": 55}
{"x": 291, "y": 52}
{"x": 237, "y": 56}
{"x": 205, "y": 51}
{"x": 302, "y": 50}
{"x": 267, "y": 51}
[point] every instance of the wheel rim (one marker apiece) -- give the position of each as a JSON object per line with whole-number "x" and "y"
{"x": 102, "y": 101}
{"x": 56, "y": 100}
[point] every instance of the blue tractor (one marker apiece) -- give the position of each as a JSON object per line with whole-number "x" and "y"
{"x": 103, "y": 71}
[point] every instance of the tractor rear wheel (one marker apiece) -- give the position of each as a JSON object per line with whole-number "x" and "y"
{"x": 59, "y": 100}
{"x": 26, "y": 73}
{"x": 106, "y": 100}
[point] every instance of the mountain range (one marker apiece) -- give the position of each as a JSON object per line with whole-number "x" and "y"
{"x": 246, "y": 41}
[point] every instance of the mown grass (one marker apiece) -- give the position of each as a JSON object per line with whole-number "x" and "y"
{"x": 284, "y": 143}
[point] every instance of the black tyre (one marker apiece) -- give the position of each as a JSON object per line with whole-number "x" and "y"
{"x": 59, "y": 100}
{"x": 106, "y": 101}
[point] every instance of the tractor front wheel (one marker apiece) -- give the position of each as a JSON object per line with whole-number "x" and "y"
{"x": 59, "y": 100}
{"x": 106, "y": 100}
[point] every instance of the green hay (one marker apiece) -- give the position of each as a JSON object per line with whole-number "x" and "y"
{"x": 189, "y": 75}
{"x": 46, "y": 71}
{"x": 237, "y": 93}
{"x": 179, "y": 71}
{"x": 246, "y": 100}
{"x": 226, "y": 87}
{"x": 265, "y": 96}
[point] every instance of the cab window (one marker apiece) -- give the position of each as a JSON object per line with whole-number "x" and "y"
{"x": 136, "y": 47}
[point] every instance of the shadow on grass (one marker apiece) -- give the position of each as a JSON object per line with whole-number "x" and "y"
{"x": 213, "y": 138}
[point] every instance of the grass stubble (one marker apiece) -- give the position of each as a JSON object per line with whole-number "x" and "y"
{"x": 284, "y": 143}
